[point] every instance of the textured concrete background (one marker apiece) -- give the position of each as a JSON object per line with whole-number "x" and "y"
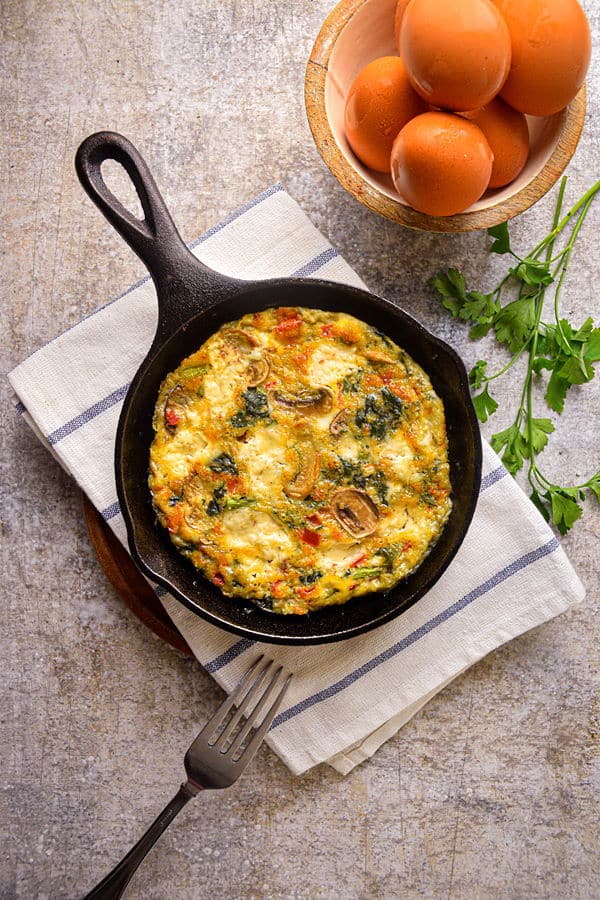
{"x": 492, "y": 791}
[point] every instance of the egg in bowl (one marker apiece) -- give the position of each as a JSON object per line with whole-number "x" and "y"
{"x": 300, "y": 459}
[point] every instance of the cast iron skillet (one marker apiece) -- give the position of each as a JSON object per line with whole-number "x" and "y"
{"x": 193, "y": 302}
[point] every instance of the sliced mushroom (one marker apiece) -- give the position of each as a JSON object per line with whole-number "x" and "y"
{"x": 305, "y": 478}
{"x": 376, "y": 356}
{"x": 195, "y": 518}
{"x": 309, "y": 400}
{"x": 194, "y": 495}
{"x": 355, "y": 511}
{"x": 340, "y": 422}
{"x": 257, "y": 371}
{"x": 177, "y": 400}
{"x": 194, "y": 490}
{"x": 240, "y": 339}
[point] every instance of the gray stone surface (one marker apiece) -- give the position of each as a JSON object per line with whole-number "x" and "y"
{"x": 492, "y": 791}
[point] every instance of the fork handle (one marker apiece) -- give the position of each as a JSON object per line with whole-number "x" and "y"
{"x": 116, "y": 881}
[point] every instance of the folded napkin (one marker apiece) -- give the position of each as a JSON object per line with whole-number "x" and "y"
{"x": 346, "y": 699}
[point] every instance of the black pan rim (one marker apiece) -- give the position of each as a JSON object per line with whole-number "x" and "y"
{"x": 334, "y": 636}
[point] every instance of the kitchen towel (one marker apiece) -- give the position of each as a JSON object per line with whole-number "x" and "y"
{"x": 345, "y": 699}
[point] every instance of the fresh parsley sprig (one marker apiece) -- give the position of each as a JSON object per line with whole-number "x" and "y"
{"x": 566, "y": 351}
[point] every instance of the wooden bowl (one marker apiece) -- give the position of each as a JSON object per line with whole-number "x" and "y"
{"x": 358, "y": 31}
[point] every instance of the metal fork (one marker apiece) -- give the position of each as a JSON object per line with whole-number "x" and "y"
{"x": 216, "y": 759}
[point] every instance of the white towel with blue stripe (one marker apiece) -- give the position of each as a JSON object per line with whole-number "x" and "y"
{"x": 346, "y": 699}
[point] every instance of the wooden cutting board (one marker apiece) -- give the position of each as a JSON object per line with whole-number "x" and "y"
{"x": 128, "y": 581}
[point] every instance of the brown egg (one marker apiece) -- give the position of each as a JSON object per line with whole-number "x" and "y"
{"x": 551, "y": 49}
{"x": 441, "y": 163}
{"x": 457, "y": 53}
{"x": 507, "y": 133}
{"x": 380, "y": 102}
{"x": 400, "y": 7}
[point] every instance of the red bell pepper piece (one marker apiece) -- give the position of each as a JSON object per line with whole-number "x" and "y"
{"x": 311, "y": 537}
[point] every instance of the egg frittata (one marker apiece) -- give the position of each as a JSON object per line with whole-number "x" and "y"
{"x": 300, "y": 458}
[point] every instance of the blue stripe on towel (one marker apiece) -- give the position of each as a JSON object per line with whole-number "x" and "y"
{"x": 229, "y": 655}
{"x": 492, "y": 477}
{"x": 111, "y": 511}
{"x": 274, "y": 189}
{"x": 88, "y": 414}
{"x": 507, "y": 572}
{"x": 315, "y": 264}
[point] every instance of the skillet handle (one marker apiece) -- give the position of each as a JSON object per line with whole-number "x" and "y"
{"x": 154, "y": 238}
{"x": 183, "y": 283}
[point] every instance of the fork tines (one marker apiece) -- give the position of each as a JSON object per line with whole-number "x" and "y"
{"x": 229, "y": 728}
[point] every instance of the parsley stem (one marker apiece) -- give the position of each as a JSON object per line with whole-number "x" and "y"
{"x": 536, "y": 331}
{"x": 574, "y": 487}
{"x": 589, "y": 194}
{"x": 498, "y": 289}
{"x": 509, "y": 364}
{"x": 558, "y": 209}
{"x": 565, "y": 262}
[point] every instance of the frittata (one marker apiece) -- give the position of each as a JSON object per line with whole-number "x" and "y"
{"x": 300, "y": 458}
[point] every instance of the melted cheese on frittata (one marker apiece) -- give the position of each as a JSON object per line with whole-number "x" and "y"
{"x": 300, "y": 459}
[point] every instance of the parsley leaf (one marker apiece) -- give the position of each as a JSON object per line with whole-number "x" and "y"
{"x": 456, "y": 279}
{"x": 514, "y": 323}
{"x": 540, "y": 429}
{"x": 584, "y": 333}
{"x": 477, "y": 374}
{"x": 542, "y": 362}
{"x": 562, "y": 334}
{"x": 478, "y": 307}
{"x": 502, "y": 239}
{"x": 565, "y": 509}
{"x": 594, "y": 486}
{"x": 451, "y": 286}
{"x": 576, "y": 370}
{"x": 592, "y": 346}
{"x": 480, "y": 330}
{"x": 484, "y": 405}
{"x": 556, "y": 392}
{"x": 533, "y": 272}
{"x": 539, "y": 503}
{"x": 514, "y": 447}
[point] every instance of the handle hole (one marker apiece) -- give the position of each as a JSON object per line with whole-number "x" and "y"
{"x": 121, "y": 186}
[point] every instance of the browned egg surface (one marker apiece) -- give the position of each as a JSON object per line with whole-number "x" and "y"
{"x": 300, "y": 459}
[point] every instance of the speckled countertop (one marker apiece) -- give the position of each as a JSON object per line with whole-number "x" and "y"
{"x": 491, "y": 791}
